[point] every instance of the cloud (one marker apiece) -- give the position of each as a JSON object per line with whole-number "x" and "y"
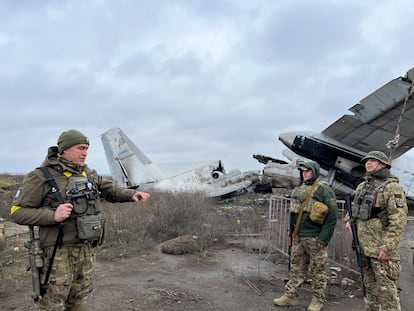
{"x": 189, "y": 80}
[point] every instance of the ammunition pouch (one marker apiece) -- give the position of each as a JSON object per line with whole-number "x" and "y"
{"x": 85, "y": 205}
{"x": 318, "y": 212}
{"x": 363, "y": 208}
{"x": 90, "y": 227}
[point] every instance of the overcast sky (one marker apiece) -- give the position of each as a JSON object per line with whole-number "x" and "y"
{"x": 190, "y": 80}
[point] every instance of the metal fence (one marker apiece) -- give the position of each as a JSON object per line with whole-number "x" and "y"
{"x": 340, "y": 251}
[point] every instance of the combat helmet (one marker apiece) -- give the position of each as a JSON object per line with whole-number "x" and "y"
{"x": 377, "y": 155}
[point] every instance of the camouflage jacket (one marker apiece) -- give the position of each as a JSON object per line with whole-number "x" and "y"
{"x": 384, "y": 229}
{"x": 35, "y": 204}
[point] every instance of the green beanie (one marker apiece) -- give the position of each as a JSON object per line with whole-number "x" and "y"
{"x": 71, "y": 138}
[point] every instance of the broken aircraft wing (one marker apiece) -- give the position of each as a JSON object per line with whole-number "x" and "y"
{"x": 381, "y": 121}
{"x": 376, "y": 118}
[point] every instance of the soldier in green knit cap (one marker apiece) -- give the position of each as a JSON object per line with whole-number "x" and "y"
{"x": 62, "y": 197}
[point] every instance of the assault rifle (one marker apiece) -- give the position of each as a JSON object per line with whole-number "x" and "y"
{"x": 290, "y": 238}
{"x": 36, "y": 263}
{"x": 355, "y": 243}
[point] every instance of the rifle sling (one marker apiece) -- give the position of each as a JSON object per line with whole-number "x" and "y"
{"x": 302, "y": 207}
{"x": 59, "y": 239}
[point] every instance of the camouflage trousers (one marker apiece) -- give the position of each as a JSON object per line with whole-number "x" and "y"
{"x": 306, "y": 255}
{"x": 380, "y": 278}
{"x": 71, "y": 278}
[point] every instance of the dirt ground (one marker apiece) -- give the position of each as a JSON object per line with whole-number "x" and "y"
{"x": 226, "y": 277}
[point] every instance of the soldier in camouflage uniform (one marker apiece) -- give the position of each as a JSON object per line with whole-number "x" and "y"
{"x": 309, "y": 248}
{"x": 36, "y": 204}
{"x": 380, "y": 209}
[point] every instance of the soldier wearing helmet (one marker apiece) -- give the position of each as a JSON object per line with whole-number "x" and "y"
{"x": 377, "y": 155}
{"x": 380, "y": 209}
{"x": 311, "y": 236}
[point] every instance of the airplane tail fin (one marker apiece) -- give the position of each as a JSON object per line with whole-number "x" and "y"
{"x": 129, "y": 166}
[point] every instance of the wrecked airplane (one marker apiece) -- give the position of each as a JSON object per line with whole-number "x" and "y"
{"x": 384, "y": 120}
{"x": 131, "y": 168}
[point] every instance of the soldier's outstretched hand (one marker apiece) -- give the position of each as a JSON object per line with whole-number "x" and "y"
{"x": 140, "y": 196}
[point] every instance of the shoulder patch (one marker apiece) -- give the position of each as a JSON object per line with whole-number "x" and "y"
{"x": 18, "y": 192}
{"x": 399, "y": 200}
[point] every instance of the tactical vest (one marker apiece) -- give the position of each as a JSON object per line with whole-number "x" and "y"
{"x": 370, "y": 202}
{"x": 83, "y": 196}
{"x": 299, "y": 194}
{"x": 86, "y": 207}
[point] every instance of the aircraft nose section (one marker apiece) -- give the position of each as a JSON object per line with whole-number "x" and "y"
{"x": 287, "y": 138}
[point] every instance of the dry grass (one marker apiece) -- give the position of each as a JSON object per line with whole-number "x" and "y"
{"x": 8, "y": 187}
{"x": 7, "y": 180}
{"x": 132, "y": 227}
{"x": 14, "y": 262}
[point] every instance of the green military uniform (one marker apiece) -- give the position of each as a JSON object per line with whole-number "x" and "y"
{"x": 73, "y": 266}
{"x": 305, "y": 252}
{"x": 380, "y": 208}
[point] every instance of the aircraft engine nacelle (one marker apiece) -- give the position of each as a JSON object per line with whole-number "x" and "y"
{"x": 216, "y": 174}
{"x": 349, "y": 166}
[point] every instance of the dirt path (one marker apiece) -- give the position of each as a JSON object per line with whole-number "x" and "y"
{"x": 227, "y": 279}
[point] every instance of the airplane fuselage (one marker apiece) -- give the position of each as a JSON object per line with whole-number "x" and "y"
{"x": 328, "y": 154}
{"x": 344, "y": 161}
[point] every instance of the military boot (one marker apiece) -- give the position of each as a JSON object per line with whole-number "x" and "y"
{"x": 315, "y": 305}
{"x": 285, "y": 300}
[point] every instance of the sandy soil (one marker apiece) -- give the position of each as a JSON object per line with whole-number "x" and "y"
{"x": 224, "y": 278}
